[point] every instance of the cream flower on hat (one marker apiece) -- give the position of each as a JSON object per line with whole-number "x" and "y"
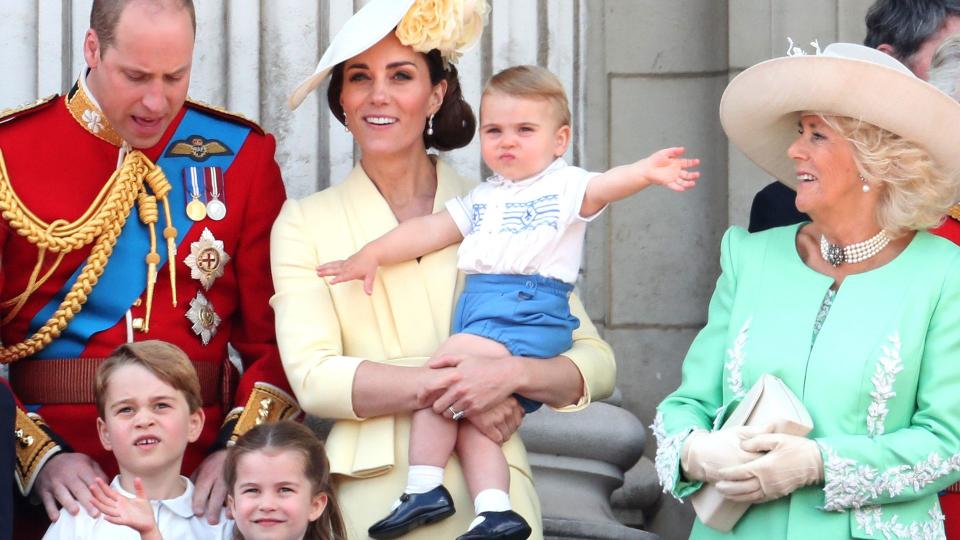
{"x": 450, "y": 26}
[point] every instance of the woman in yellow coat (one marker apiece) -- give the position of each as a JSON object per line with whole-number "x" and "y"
{"x": 362, "y": 359}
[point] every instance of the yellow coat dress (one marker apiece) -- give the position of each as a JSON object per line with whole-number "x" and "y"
{"x": 325, "y": 332}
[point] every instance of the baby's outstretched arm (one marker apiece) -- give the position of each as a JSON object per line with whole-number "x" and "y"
{"x": 135, "y": 513}
{"x": 664, "y": 167}
{"x": 411, "y": 239}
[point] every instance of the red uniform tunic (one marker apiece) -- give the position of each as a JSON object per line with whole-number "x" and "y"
{"x": 57, "y": 160}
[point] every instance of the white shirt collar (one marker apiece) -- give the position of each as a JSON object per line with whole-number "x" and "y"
{"x": 558, "y": 163}
{"x": 182, "y": 505}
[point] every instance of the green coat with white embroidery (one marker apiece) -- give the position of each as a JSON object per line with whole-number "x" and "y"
{"x": 881, "y": 382}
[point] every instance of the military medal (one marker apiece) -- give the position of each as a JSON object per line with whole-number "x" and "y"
{"x": 196, "y": 210}
{"x": 207, "y": 259}
{"x": 213, "y": 177}
{"x": 205, "y": 320}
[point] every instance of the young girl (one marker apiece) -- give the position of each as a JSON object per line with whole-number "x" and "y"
{"x": 522, "y": 235}
{"x": 278, "y": 485}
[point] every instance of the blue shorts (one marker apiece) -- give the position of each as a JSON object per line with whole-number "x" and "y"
{"x": 529, "y": 315}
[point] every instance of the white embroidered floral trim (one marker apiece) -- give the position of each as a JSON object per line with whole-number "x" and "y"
{"x": 889, "y": 365}
{"x": 735, "y": 365}
{"x": 668, "y": 454}
{"x": 852, "y": 485}
{"x": 870, "y": 520}
{"x": 93, "y": 120}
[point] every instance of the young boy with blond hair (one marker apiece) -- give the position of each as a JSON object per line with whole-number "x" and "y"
{"x": 149, "y": 407}
{"x": 522, "y": 234}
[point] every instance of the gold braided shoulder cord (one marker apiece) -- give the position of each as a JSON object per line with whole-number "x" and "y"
{"x": 101, "y": 224}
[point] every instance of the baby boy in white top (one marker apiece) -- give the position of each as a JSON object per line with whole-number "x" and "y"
{"x": 522, "y": 234}
{"x": 149, "y": 403}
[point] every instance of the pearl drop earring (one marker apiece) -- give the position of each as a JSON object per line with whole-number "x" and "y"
{"x": 430, "y": 125}
{"x": 865, "y": 187}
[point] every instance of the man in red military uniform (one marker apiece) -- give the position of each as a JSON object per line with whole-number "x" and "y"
{"x": 130, "y": 213}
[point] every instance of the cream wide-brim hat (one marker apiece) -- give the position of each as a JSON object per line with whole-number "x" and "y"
{"x": 361, "y": 31}
{"x": 760, "y": 108}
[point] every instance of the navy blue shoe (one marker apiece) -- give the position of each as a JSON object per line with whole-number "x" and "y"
{"x": 415, "y": 509}
{"x": 499, "y": 526}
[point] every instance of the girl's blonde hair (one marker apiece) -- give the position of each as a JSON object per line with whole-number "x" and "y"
{"x": 917, "y": 191}
{"x": 293, "y": 436}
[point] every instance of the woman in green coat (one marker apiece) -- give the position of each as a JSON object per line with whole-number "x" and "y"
{"x": 857, "y": 311}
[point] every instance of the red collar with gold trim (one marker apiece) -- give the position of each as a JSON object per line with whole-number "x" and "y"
{"x": 83, "y": 109}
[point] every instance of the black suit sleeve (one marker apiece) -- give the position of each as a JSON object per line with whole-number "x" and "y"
{"x": 773, "y": 206}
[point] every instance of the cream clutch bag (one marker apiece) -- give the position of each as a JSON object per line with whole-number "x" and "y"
{"x": 769, "y": 401}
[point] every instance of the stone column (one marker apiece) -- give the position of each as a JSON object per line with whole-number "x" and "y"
{"x": 578, "y": 460}
{"x": 663, "y": 66}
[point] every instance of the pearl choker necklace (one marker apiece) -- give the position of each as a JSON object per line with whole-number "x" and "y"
{"x": 835, "y": 254}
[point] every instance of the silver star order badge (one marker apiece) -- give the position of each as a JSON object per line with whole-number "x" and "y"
{"x": 207, "y": 259}
{"x": 205, "y": 320}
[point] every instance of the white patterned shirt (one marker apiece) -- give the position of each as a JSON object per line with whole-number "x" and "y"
{"x": 530, "y": 226}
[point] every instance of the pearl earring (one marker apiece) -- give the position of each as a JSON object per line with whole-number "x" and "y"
{"x": 430, "y": 125}
{"x": 345, "y": 126}
{"x": 865, "y": 187}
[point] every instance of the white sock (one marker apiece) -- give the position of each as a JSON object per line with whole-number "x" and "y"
{"x": 421, "y": 479}
{"x": 489, "y": 500}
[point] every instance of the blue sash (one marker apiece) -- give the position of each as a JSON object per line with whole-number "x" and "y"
{"x": 125, "y": 277}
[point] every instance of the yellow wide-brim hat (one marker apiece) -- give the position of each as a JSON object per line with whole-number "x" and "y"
{"x": 760, "y": 109}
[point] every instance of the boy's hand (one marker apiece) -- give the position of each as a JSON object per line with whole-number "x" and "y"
{"x": 360, "y": 265}
{"x": 666, "y": 168}
{"x": 136, "y": 513}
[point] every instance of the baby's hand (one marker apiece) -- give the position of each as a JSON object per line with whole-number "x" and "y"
{"x": 360, "y": 265}
{"x": 136, "y": 513}
{"x": 667, "y": 169}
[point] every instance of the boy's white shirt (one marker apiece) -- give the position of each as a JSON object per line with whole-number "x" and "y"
{"x": 175, "y": 519}
{"x": 530, "y": 226}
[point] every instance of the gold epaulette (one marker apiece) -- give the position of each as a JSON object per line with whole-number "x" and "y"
{"x": 266, "y": 403}
{"x": 34, "y": 448}
{"x": 954, "y": 212}
{"x": 223, "y": 113}
{"x": 9, "y": 114}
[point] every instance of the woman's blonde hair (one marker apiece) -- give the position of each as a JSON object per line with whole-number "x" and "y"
{"x": 916, "y": 192}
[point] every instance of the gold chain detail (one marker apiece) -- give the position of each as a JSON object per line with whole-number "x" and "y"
{"x": 101, "y": 224}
